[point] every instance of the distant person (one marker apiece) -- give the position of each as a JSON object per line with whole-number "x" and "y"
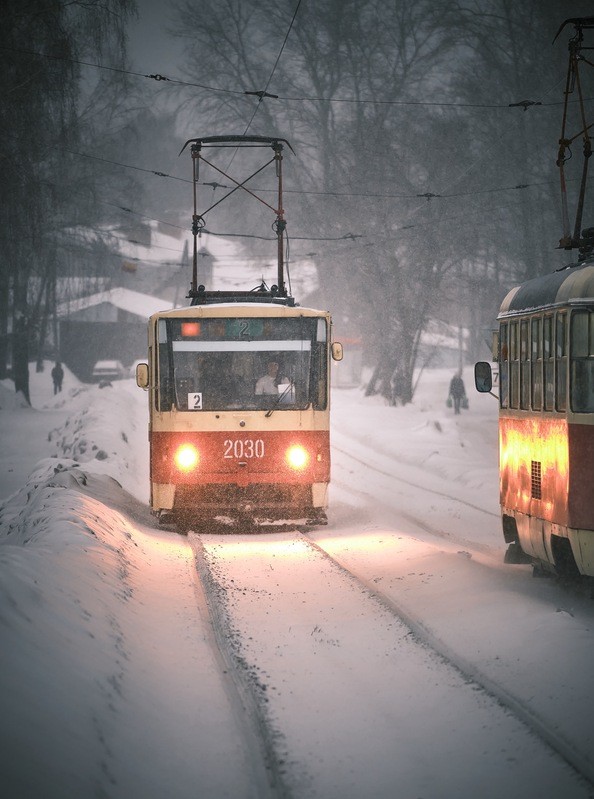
{"x": 268, "y": 383}
{"x": 457, "y": 391}
{"x": 57, "y": 377}
{"x": 397, "y": 385}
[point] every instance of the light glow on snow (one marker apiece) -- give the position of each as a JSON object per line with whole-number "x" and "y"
{"x": 110, "y": 681}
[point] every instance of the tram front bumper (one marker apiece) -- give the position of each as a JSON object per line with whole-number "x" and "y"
{"x": 265, "y": 497}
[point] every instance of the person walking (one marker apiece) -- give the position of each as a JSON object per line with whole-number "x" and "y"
{"x": 57, "y": 377}
{"x": 457, "y": 391}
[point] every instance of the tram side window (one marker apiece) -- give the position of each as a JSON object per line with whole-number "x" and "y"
{"x": 549, "y": 363}
{"x": 514, "y": 365}
{"x": 164, "y": 392}
{"x": 524, "y": 365}
{"x": 536, "y": 358}
{"x": 503, "y": 366}
{"x": 582, "y": 361}
{"x": 561, "y": 361}
{"x": 320, "y": 367}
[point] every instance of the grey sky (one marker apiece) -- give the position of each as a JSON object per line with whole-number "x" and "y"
{"x": 151, "y": 49}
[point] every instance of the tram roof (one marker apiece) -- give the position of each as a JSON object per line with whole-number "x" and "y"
{"x": 229, "y": 309}
{"x": 574, "y": 284}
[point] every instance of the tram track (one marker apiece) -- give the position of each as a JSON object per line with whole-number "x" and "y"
{"x": 534, "y": 719}
{"x": 242, "y": 686}
{"x": 256, "y": 682}
{"x": 579, "y": 761}
{"x": 416, "y": 520}
{"x": 420, "y": 486}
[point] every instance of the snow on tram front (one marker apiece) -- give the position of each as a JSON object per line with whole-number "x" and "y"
{"x": 239, "y": 409}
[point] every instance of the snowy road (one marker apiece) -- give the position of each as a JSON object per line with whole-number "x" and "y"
{"x": 367, "y": 688}
{"x": 391, "y": 653}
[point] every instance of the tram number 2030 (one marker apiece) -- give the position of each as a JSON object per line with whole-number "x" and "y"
{"x": 243, "y": 448}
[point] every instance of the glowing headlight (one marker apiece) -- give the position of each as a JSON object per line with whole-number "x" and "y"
{"x": 186, "y": 457}
{"x": 297, "y": 457}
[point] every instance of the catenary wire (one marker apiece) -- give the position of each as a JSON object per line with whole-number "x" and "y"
{"x": 303, "y": 98}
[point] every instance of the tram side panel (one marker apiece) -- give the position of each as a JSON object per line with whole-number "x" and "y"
{"x": 534, "y": 479}
{"x": 581, "y": 495}
{"x": 546, "y": 486}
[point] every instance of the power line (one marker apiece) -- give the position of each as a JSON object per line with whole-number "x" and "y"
{"x": 264, "y": 93}
{"x": 310, "y": 192}
{"x": 524, "y": 104}
{"x": 127, "y": 166}
{"x": 155, "y": 77}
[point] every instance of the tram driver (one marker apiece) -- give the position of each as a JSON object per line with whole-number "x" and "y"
{"x": 272, "y": 384}
{"x": 268, "y": 383}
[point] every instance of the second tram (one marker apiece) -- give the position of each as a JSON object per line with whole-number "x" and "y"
{"x": 545, "y": 350}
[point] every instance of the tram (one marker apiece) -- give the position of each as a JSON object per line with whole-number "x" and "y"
{"x": 239, "y": 396}
{"x": 545, "y": 350}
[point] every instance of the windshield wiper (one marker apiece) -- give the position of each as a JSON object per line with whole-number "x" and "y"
{"x": 277, "y": 400}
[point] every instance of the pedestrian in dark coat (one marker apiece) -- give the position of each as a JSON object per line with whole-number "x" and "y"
{"x": 57, "y": 377}
{"x": 457, "y": 391}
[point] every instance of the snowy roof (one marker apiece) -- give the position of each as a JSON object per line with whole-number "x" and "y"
{"x": 151, "y": 245}
{"x": 125, "y": 299}
{"x": 442, "y": 334}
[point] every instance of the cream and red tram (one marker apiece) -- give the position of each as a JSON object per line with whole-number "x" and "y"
{"x": 545, "y": 349}
{"x": 220, "y": 442}
{"x": 239, "y": 386}
{"x": 546, "y": 420}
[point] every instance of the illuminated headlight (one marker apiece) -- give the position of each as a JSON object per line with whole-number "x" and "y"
{"x": 186, "y": 457}
{"x": 297, "y": 457}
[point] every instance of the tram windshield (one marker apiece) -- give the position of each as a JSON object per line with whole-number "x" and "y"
{"x": 242, "y": 363}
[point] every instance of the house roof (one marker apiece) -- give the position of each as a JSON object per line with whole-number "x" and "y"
{"x": 133, "y": 302}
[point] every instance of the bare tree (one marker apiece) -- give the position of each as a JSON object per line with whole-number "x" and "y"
{"x": 42, "y": 121}
{"x": 345, "y": 67}
{"x": 410, "y": 146}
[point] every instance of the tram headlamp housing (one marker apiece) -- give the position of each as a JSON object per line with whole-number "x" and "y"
{"x": 186, "y": 457}
{"x": 297, "y": 457}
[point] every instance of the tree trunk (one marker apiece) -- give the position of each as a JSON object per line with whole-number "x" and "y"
{"x": 20, "y": 355}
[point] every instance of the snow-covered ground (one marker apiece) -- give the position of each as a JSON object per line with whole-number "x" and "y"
{"x": 111, "y": 680}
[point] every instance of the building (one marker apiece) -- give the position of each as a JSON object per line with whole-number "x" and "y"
{"x": 108, "y": 325}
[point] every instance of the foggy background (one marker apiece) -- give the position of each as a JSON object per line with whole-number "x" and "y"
{"x": 423, "y": 183}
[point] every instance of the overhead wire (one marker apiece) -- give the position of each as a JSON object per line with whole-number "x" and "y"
{"x": 264, "y": 93}
{"x": 427, "y": 195}
{"x": 316, "y": 193}
{"x": 304, "y": 98}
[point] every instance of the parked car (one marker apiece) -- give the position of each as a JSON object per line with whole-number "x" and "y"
{"x": 107, "y": 371}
